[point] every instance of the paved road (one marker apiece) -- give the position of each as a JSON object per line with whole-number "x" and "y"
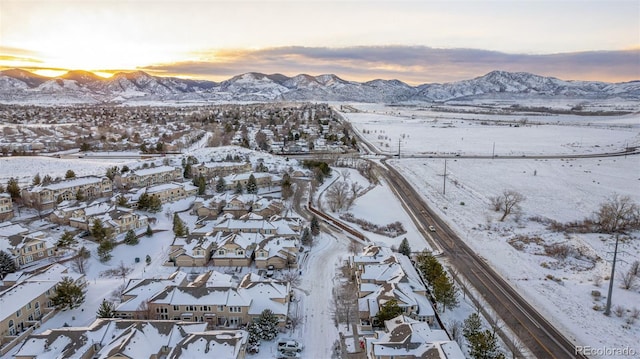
{"x": 536, "y": 333}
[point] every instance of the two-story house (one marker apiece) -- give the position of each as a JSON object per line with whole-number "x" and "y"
{"x": 6, "y": 207}
{"x": 46, "y": 196}
{"x": 145, "y": 177}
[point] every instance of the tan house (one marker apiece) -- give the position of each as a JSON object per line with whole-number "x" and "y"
{"x": 121, "y": 338}
{"x": 174, "y": 191}
{"x": 119, "y": 219}
{"x": 279, "y": 252}
{"x": 30, "y": 247}
{"x": 46, "y": 196}
{"x": 25, "y": 305}
{"x": 191, "y": 251}
{"x": 215, "y": 169}
{"x": 263, "y": 180}
{"x": 211, "y": 298}
{"x": 406, "y": 338}
{"x": 6, "y": 207}
{"x": 235, "y": 249}
{"x": 145, "y": 177}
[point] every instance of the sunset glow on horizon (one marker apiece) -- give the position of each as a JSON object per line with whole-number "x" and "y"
{"x": 416, "y": 42}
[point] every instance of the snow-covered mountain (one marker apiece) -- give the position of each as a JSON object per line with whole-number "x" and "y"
{"x": 17, "y": 85}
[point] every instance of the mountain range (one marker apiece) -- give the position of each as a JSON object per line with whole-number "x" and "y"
{"x": 20, "y": 86}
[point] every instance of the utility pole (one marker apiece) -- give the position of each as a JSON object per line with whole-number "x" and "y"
{"x": 607, "y": 310}
{"x": 493, "y": 153}
{"x": 444, "y": 178}
{"x": 398, "y": 147}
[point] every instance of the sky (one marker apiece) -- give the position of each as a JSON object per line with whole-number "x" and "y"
{"x": 414, "y": 41}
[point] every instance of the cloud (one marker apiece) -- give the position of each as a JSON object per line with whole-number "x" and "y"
{"x": 412, "y": 64}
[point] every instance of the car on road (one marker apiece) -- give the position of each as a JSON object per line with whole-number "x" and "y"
{"x": 432, "y": 229}
{"x": 288, "y": 355}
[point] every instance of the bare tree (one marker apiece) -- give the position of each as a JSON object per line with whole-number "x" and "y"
{"x": 295, "y": 320}
{"x": 338, "y": 196}
{"x": 508, "y": 202}
{"x": 354, "y": 247}
{"x": 121, "y": 271}
{"x": 293, "y": 277}
{"x": 144, "y": 310}
{"x": 618, "y": 215}
{"x": 628, "y": 279}
{"x": 80, "y": 263}
{"x": 116, "y": 294}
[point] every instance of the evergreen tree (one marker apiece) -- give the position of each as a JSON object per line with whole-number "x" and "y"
{"x": 388, "y": 310}
{"x": 405, "y": 248}
{"x": 143, "y": 201}
{"x": 187, "y": 170}
{"x": 484, "y": 345}
{"x": 122, "y": 201}
{"x": 99, "y": 232}
{"x": 7, "y": 264}
{"x": 46, "y": 180}
{"x": 238, "y": 188}
{"x": 111, "y": 172}
{"x": 201, "y": 183}
{"x": 267, "y": 325}
{"x": 252, "y": 186}
{"x": 315, "y": 226}
{"x": 471, "y": 326}
{"x": 155, "y": 204}
{"x": 13, "y": 188}
{"x": 130, "y": 238}
{"x": 306, "y": 236}
{"x": 104, "y": 250}
{"x": 445, "y": 292}
{"x": 66, "y": 240}
{"x": 179, "y": 227}
{"x": 287, "y": 190}
{"x": 220, "y": 185}
{"x": 430, "y": 267}
{"x": 36, "y": 179}
{"x": 79, "y": 195}
{"x": 69, "y": 174}
{"x": 149, "y": 232}
{"x": 255, "y": 334}
{"x": 106, "y": 310}
{"x": 68, "y": 294}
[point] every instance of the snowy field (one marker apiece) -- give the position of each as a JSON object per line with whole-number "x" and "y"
{"x": 561, "y": 190}
{"x": 474, "y": 134}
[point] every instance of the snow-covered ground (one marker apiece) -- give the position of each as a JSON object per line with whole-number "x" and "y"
{"x": 561, "y": 190}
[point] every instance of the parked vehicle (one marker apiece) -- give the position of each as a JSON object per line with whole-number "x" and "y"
{"x": 289, "y": 345}
{"x": 288, "y": 355}
{"x": 270, "y": 271}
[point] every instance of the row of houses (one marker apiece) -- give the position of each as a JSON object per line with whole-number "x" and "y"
{"x": 214, "y": 298}
{"x": 120, "y": 338}
{"x": 382, "y": 275}
{"x": 6, "y": 207}
{"x": 25, "y": 246}
{"x": 240, "y": 242}
{"x": 25, "y": 301}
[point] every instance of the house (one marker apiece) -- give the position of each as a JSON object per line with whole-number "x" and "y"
{"x": 212, "y": 298}
{"x": 6, "y": 207}
{"x": 382, "y": 275}
{"x": 192, "y": 250}
{"x": 118, "y": 219}
{"x": 263, "y": 180}
{"x": 235, "y": 249}
{"x": 406, "y": 338}
{"x": 46, "y": 196}
{"x": 170, "y": 192}
{"x": 145, "y": 177}
{"x": 122, "y": 338}
{"x": 26, "y": 247}
{"x": 219, "y": 169}
{"x": 26, "y": 304}
{"x": 279, "y": 252}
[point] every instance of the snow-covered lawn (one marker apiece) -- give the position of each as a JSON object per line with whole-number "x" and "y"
{"x": 560, "y": 190}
